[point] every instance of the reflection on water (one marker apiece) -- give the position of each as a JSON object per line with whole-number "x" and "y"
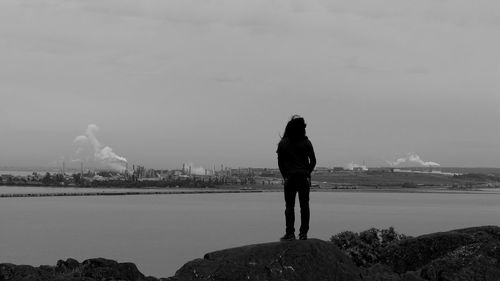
{"x": 160, "y": 233}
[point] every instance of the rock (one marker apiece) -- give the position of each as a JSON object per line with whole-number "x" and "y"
{"x": 67, "y": 265}
{"x": 312, "y": 259}
{"x": 381, "y": 272}
{"x": 72, "y": 270}
{"x": 469, "y": 254}
{"x": 475, "y": 261}
{"x": 463, "y": 254}
{"x": 413, "y": 253}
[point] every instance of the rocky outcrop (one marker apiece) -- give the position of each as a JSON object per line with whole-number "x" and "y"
{"x": 470, "y": 254}
{"x": 464, "y": 254}
{"x": 71, "y": 270}
{"x": 312, "y": 259}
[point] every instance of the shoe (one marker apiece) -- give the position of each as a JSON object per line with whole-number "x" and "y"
{"x": 302, "y": 236}
{"x": 288, "y": 237}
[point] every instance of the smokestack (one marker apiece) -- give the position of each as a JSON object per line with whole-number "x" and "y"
{"x": 63, "y": 167}
{"x": 81, "y": 169}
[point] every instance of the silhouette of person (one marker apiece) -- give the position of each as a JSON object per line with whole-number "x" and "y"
{"x": 296, "y": 161}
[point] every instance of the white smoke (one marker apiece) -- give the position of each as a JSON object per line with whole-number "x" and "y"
{"x": 413, "y": 158}
{"x": 103, "y": 154}
{"x": 352, "y": 165}
{"x": 200, "y": 171}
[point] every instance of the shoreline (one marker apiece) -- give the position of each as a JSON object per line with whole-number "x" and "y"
{"x": 97, "y": 193}
{"x": 155, "y": 191}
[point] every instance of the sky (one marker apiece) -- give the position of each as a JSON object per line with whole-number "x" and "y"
{"x": 213, "y": 82}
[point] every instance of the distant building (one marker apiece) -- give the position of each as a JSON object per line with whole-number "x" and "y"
{"x": 359, "y": 169}
{"x": 322, "y": 169}
{"x": 7, "y": 176}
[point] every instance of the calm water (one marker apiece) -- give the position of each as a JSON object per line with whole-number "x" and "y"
{"x": 160, "y": 233}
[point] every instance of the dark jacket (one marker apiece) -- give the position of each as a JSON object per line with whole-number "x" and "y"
{"x": 296, "y": 157}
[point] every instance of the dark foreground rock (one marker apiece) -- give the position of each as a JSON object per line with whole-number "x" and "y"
{"x": 467, "y": 254}
{"x": 312, "y": 259}
{"x": 72, "y": 270}
{"x": 470, "y": 254}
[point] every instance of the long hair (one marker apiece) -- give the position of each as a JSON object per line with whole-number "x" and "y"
{"x": 295, "y": 129}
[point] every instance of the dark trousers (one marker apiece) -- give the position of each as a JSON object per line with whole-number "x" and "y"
{"x": 293, "y": 185}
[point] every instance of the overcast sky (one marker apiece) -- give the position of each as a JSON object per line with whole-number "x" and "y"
{"x": 215, "y": 81}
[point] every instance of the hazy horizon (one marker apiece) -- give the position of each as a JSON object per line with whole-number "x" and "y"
{"x": 214, "y": 82}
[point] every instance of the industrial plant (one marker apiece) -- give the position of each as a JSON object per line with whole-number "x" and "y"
{"x": 140, "y": 176}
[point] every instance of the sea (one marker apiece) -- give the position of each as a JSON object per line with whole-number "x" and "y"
{"x": 159, "y": 233}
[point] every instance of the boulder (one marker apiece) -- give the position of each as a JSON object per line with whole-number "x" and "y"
{"x": 464, "y": 254}
{"x": 72, "y": 270}
{"x": 312, "y": 259}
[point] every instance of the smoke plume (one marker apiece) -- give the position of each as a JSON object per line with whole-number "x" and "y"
{"x": 102, "y": 153}
{"x": 352, "y": 165}
{"x": 413, "y": 158}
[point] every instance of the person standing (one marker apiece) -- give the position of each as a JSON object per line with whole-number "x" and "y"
{"x": 296, "y": 161}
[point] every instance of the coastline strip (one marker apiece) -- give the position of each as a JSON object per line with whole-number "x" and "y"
{"x": 54, "y": 194}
